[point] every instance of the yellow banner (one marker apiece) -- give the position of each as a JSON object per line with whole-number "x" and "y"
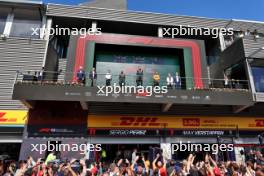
{"x": 13, "y": 118}
{"x": 175, "y": 122}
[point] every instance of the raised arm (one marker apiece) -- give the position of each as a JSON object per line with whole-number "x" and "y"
{"x": 134, "y": 162}
{"x": 146, "y": 165}
{"x": 206, "y": 158}
{"x": 82, "y": 162}
{"x": 71, "y": 171}
{"x": 189, "y": 162}
{"x": 192, "y": 159}
{"x": 164, "y": 162}
{"x": 212, "y": 161}
{"x": 119, "y": 162}
{"x": 127, "y": 161}
{"x": 154, "y": 162}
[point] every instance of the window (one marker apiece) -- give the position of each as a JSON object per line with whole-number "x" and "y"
{"x": 237, "y": 75}
{"x": 258, "y": 74}
{"x": 3, "y": 16}
{"x": 24, "y": 21}
{"x": 60, "y": 44}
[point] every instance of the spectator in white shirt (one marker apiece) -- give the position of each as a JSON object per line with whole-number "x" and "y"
{"x": 108, "y": 78}
{"x": 226, "y": 81}
{"x": 170, "y": 81}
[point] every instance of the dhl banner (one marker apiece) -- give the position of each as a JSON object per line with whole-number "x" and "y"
{"x": 174, "y": 122}
{"x": 13, "y": 118}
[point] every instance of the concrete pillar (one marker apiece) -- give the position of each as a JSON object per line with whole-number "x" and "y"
{"x": 9, "y": 22}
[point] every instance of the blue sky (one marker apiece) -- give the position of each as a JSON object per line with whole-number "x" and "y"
{"x": 227, "y": 9}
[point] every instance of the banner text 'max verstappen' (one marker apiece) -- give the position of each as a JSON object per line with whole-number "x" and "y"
{"x": 177, "y": 122}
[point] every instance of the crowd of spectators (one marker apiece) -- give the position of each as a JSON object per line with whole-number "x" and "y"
{"x": 137, "y": 166}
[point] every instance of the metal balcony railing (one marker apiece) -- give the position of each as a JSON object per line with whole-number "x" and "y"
{"x": 185, "y": 83}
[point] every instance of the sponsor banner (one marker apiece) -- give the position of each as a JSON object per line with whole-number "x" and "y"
{"x": 122, "y": 132}
{"x": 169, "y": 132}
{"x": 13, "y": 118}
{"x": 206, "y": 133}
{"x": 175, "y": 122}
{"x": 56, "y": 131}
{"x": 65, "y": 120}
{"x": 158, "y": 132}
{"x": 126, "y": 132}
